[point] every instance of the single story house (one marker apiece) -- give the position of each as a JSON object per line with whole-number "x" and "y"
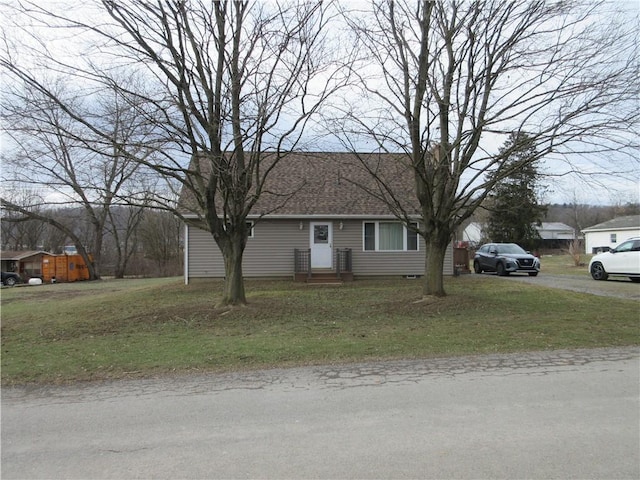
{"x": 555, "y": 234}
{"x": 317, "y": 215}
{"x": 27, "y": 264}
{"x": 44, "y": 265}
{"x": 607, "y": 235}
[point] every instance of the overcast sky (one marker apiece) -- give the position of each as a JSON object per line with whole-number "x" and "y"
{"x": 599, "y": 187}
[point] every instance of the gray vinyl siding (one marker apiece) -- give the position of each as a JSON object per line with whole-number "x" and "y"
{"x": 203, "y": 255}
{"x": 270, "y": 252}
{"x": 372, "y": 263}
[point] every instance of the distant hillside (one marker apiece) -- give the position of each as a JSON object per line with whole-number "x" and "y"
{"x": 583, "y": 216}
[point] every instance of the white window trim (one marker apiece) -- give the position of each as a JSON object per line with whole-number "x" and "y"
{"x": 249, "y": 223}
{"x": 405, "y": 232}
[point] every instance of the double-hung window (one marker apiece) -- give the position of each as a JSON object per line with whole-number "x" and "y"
{"x": 389, "y": 237}
{"x": 249, "y": 224}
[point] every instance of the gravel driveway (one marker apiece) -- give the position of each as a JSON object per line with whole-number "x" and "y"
{"x": 614, "y": 287}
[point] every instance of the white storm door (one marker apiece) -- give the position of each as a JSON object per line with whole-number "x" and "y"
{"x": 321, "y": 234}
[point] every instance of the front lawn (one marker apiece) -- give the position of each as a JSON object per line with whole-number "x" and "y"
{"x": 565, "y": 265}
{"x": 133, "y": 328}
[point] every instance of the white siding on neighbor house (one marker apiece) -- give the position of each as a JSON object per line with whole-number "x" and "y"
{"x": 596, "y": 240}
{"x": 472, "y": 233}
{"x": 270, "y": 252}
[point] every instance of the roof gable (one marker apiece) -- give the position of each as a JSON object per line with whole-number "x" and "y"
{"x": 628, "y": 222}
{"x": 554, "y": 226}
{"x": 331, "y": 183}
{"x": 20, "y": 255}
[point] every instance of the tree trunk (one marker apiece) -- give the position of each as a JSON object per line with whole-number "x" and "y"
{"x": 119, "y": 271}
{"x": 233, "y": 293}
{"x": 97, "y": 251}
{"x": 433, "y": 265}
{"x": 92, "y": 266}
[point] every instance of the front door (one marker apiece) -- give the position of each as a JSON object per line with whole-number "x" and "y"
{"x": 321, "y": 239}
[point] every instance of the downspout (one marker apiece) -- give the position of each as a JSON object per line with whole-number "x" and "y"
{"x": 186, "y": 254}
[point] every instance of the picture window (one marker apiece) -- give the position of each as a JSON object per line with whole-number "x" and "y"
{"x": 389, "y": 237}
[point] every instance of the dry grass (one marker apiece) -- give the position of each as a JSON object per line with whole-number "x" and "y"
{"x": 566, "y": 265}
{"x": 115, "y": 329}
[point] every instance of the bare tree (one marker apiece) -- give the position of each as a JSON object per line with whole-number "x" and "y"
{"x": 233, "y": 85}
{"x": 444, "y": 83}
{"x": 160, "y": 236}
{"x": 58, "y": 156}
{"x": 123, "y": 229}
{"x": 239, "y": 75}
{"x": 54, "y": 239}
{"x": 20, "y": 232}
{"x": 21, "y": 213}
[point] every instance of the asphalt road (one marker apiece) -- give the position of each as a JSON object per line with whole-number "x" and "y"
{"x": 567, "y": 414}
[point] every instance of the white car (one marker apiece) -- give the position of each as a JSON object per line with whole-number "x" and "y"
{"x": 623, "y": 260}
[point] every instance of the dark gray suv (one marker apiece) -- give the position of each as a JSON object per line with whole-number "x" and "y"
{"x": 10, "y": 279}
{"x": 505, "y": 258}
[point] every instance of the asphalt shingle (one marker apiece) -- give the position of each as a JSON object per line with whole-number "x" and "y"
{"x": 331, "y": 183}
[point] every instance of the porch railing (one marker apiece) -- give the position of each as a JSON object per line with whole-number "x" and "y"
{"x": 302, "y": 261}
{"x": 343, "y": 261}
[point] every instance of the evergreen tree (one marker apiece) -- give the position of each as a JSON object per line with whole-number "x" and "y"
{"x": 513, "y": 204}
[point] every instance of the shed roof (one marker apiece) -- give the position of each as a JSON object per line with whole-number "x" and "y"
{"x": 19, "y": 255}
{"x": 328, "y": 183}
{"x": 555, "y": 231}
{"x": 629, "y": 222}
{"x": 555, "y": 226}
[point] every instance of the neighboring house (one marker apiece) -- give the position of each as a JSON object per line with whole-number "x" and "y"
{"x": 553, "y": 234}
{"x": 472, "y": 234}
{"x": 315, "y": 216}
{"x": 556, "y": 234}
{"x": 44, "y": 265}
{"x": 27, "y": 264}
{"x": 608, "y": 235}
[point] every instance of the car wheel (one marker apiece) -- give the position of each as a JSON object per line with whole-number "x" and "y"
{"x": 10, "y": 282}
{"x": 598, "y": 272}
{"x": 501, "y": 270}
{"x": 533, "y": 274}
{"x": 476, "y": 267}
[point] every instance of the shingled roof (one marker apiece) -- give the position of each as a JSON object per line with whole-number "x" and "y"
{"x": 18, "y": 255}
{"x": 330, "y": 183}
{"x": 630, "y": 222}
